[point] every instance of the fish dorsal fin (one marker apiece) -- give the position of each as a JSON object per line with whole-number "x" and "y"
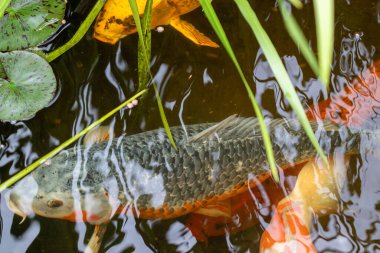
{"x": 190, "y": 32}
{"x": 97, "y": 135}
{"x": 216, "y": 209}
{"x": 209, "y": 132}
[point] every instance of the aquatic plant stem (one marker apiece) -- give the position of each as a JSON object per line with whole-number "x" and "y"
{"x": 144, "y": 56}
{"x": 215, "y": 23}
{"x": 79, "y": 34}
{"x": 70, "y": 141}
{"x": 324, "y": 20}
{"x": 279, "y": 71}
{"x": 3, "y": 6}
{"x": 298, "y": 37}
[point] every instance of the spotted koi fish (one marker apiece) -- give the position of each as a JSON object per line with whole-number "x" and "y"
{"x": 144, "y": 172}
{"x": 115, "y": 21}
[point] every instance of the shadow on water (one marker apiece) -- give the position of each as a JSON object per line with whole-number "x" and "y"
{"x": 200, "y": 85}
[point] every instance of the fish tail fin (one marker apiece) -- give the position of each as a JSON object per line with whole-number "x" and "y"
{"x": 190, "y": 32}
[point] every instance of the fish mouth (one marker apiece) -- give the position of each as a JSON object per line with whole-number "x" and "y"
{"x": 10, "y": 200}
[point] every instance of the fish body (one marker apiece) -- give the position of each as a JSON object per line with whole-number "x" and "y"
{"x": 213, "y": 162}
{"x": 115, "y": 21}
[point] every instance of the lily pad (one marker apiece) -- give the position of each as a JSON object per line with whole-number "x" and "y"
{"x": 27, "y": 84}
{"x": 28, "y": 23}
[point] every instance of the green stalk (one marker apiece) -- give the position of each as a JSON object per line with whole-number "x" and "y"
{"x": 298, "y": 37}
{"x": 136, "y": 17}
{"x": 3, "y": 6}
{"x": 296, "y": 3}
{"x": 70, "y": 141}
{"x": 79, "y": 34}
{"x": 324, "y": 20}
{"x": 279, "y": 71}
{"x": 144, "y": 56}
{"x": 215, "y": 23}
{"x": 144, "y": 64}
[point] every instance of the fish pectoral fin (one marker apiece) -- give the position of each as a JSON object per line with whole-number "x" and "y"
{"x": 190, "y": 32}
{"x": 97, "y": 135}
{"x": 216, "y": 209}
{"x": 100, "y": 207}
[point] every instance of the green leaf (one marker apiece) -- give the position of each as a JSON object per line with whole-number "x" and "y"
{"x": 163, "y": 117}
{"x": 144, "y": 56}
{"x": 136, "y": 17}
{"x": 279, "y": 70}
{"x": 27, "y": 84}
{"x": 215, "y": 23}
{"x": 296, "y": 3}
{"x": 86, "y": 24}
{"x": 298, "y": 37}
{"x": 3, "y": 5}
{"x": 324, "y": 20}
{"x": 144, "y": 64}
{"x": 28, "y": 23}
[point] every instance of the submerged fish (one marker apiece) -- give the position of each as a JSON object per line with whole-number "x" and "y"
{"x": 115, "y": 21}
{"x": 144, "y": 172}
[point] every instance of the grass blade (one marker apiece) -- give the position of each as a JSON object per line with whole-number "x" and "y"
{"x": 79, "y": 34}
{"x": 144, "y": 56}
{"x": 3, "y": 6}
{"x": 279, "y": 71}
{"x": 215, "y": 23}
{"x": 163, "y": 117}
{"x": 70, "y": 141}
{"x": 136, "y": 17}
{"x": 324, "y": 20}
{"x": 143, "y": 68}
{"x": 296, "y": 3}
{"x": 298, "y": 37}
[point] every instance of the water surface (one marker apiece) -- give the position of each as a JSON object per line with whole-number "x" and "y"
{"x": 197, "y": 85}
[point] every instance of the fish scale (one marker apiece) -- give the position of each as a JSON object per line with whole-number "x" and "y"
{"x": 212, "y": 163}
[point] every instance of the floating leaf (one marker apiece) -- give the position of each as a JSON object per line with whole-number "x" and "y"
{"x": 27, "y": 84}
{"x": 28, "y": 23}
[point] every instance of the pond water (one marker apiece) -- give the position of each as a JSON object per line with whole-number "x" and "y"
{"x": 200, "y": 85}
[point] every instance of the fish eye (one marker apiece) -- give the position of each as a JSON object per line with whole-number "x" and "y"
{"x": 54, "y": 203}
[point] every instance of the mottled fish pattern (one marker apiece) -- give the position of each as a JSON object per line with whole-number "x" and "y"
{"x": 144, "y": 171}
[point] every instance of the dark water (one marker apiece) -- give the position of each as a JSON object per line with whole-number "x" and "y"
{"x": 196, "y": 85}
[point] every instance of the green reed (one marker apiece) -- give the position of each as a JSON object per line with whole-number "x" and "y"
{"x": 3, "y": 5}
{"x": 82, "y": 30}
{"x": 276, "y": 64}
{"x": 144, "y": 31}
{"x": 324, "y": 20}
{"x": 215, "y": 23}
{"x": 12, "y": 180}
{"x": 298, "y": 37}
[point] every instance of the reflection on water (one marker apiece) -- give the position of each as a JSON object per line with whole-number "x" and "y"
{"x": 200, "y": 85}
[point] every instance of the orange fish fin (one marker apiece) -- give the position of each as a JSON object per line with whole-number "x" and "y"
{"x": 97, "y": 135}
{"x": 190, "y": 32}
{"x": 216, "y": 209}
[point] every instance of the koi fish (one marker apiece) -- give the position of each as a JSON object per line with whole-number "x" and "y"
{"x": 352, "y": 106}
{"x": 143, "y": 171}
{"x": 115, "y": 21}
